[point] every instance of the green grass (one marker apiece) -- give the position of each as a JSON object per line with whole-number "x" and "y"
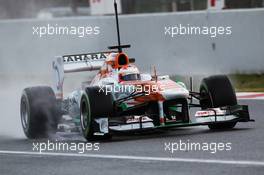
{"x": 241, "y": 82}
{"x": 248, "y": 82}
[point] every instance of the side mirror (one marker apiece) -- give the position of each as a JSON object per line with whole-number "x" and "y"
{"x": 132, "y": 60}
{"x": 145, "y": 77}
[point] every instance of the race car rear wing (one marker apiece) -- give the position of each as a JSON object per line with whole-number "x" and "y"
{"x": 75, "y": 63}
{"x": 84, "y": 62}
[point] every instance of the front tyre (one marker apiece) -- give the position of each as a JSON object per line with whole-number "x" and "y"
{"x": 86, "y": 118}
{"x": 221, "y": 126}
{"x": 217, "y": 91}
{"x": 95, "y": 103}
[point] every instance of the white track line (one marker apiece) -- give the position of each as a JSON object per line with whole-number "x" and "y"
{"x": 142, "y": 158}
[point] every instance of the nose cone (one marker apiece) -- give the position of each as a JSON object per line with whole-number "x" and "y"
{"x": 171, "y": 90}
{"x": 173, "y": 93}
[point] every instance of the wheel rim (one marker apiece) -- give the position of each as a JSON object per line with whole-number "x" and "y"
{"x": 84, "y": 115}
{"x": 24, "y": 113}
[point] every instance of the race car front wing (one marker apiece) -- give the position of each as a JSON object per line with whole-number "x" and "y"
{"x": 238, "y": 113}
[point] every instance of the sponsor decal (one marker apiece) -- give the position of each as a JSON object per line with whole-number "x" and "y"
{"x": 215, "y": 111}
{"x": 137, "y": 119}
{"x": 84, "y": 57}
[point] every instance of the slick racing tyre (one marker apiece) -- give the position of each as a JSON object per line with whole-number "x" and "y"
{"x": 217, "y": 91}
{"x": 39, "y": 112}
{"x": 95, "y": 103}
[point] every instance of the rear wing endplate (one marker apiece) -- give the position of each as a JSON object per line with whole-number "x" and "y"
{"x": 75, "y": 63}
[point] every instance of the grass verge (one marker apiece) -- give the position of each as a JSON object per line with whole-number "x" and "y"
{"x": 248, "y": 82}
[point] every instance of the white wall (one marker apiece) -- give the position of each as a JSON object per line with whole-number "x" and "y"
{"x": 243, "y": 51}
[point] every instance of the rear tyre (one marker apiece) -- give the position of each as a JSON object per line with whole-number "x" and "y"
{"x": 39, "y": 112}
{"x": 95, "y": 103}
{"x": 217, "y": 91}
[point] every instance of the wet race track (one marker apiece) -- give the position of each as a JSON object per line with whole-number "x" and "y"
{"x": 143, "y": 153}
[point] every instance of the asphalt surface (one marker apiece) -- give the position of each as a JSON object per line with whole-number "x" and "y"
{"x": 144, "y": 153}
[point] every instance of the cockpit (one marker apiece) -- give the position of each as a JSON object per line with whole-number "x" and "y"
{"x": 130, "y": 77}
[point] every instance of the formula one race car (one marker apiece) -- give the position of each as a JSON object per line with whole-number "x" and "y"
{"x": 120, "y": 98}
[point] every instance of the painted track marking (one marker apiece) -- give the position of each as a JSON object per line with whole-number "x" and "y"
{"x": 250, "y": 95}
{"x": 140, "y": 158}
